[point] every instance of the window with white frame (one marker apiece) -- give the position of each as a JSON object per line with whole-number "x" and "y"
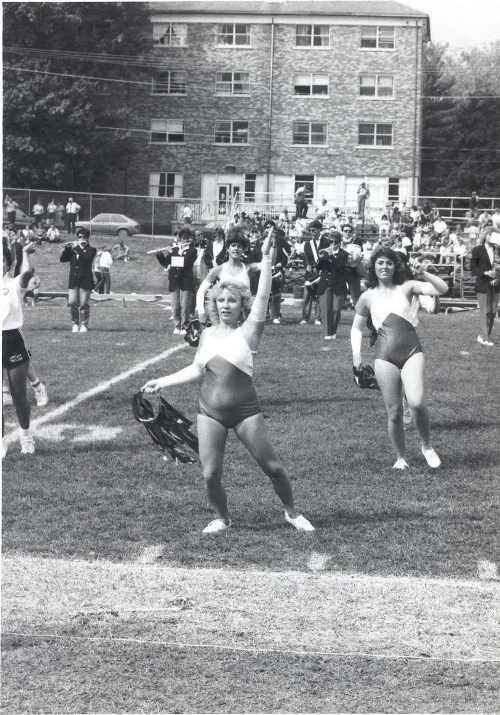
{"x": 309, "y": 133}
{"x": 250, "y": 180}
{"x": 393, "y": 189}
{"x": 312, "y": 36}
{"x": 231, "y": 132}
{"x": 306, "y": 180}
{"x": 170, "y": 34}
{"x": 232, "y": 84}
{"x": 311, "y": 85}
{"x": 233, "y": 35}
{"x": 375, "y": 134}
{"x": 167, "y": 131}
{"x": 376, "y": 85}
{"x": 169, "y": 82}
{"x": 165, "y": 184}
{"x": 377, "y": 37}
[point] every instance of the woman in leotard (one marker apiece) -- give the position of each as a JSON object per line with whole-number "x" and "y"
{"x": 399, "y": 363}
{"x": 233, "y": 270}
{"x": 224, "y": 366}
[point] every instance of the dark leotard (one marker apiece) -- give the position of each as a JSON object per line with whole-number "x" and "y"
{"x": 398, "y": 340}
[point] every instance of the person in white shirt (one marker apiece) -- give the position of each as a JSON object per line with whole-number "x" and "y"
{"x": 53, "y": 234}
{"x": 440, "y": 227}
{"x": 105, "y": 263}
{"x": 38, "y": 212}
{"x": 495, "y": 219}
{"x": 15, "y": 353}
{"x": 51, "y": 211}
{"x": 187, "y": 214}
{"x": 72, "y": 209}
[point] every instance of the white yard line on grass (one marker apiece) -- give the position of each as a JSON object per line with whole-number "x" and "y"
{"x": 291, "y": 612}
{"x": 88, "y": 394}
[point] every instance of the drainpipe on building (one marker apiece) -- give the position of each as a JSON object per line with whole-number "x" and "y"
{"x": 271, "y": 69}
{"x": 418, "y": 120}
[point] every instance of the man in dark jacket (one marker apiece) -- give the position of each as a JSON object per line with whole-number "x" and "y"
{"x": 485, "y": 265}
{"x": 80, "y": 255}
{"x": 333, "y": 269}
{"x": 179, "y": 262}
{"x": 280, "y": 254}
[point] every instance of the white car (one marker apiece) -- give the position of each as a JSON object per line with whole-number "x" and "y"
{"x": 117, "y": 224}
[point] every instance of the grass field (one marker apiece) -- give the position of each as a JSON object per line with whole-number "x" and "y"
{"x": 113, "y": 600}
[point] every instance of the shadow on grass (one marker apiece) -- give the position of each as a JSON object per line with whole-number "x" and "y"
{"x": 463, "y": 424}
{"x": 311, "y": 401}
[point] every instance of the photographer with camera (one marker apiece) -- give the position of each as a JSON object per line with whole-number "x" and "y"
{"x": 314, "y": 242}
{"x": 332, "y": 266}
{"x": 80, "y": 255}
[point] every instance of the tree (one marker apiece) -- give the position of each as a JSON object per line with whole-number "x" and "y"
{"x": 53, "y": 114}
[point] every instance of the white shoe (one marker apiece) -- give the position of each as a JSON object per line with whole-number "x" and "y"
{"x": 317, "y": 322}
{"x": 300, "y": 522}
{"x": 84, "y": 329}
{"x": 27, "y": 442}
{"x": 431, "y": 457}
{"x": 400, "y": 463}
{"x": 75, "y": 328}
{"x": 303, "y": 322}
{"x": 481, "y": 340}
{"x": 176, "y": 331}
{"x": 215, "y": 526}
{"x": 182, "y": 332}
{"x": 276, "y": 321}
{"x": 41, "y": 395}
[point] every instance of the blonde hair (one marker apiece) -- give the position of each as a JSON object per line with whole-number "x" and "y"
{"x": 238, "y": 289}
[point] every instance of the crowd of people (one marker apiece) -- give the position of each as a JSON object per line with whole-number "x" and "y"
{"x": 232, "y": 279}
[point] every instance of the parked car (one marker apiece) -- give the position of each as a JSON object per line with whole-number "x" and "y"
{"x": 117, "y": 224}
{"x": 22, "y": 219}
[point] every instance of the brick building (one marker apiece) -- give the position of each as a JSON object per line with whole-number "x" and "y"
{"x": 259, "y": 98}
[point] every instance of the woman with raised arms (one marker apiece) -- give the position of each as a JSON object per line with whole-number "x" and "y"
{"x": 224, "y": 366}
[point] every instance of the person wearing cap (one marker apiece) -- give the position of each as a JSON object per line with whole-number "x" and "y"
{"x": 332, "y": 267}
{"x": 80, "y": 255}
{"x": 355, "y": 253}
{"x": 72, "y": 209}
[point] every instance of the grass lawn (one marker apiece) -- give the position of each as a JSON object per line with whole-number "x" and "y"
{"x": 98, "y": 491}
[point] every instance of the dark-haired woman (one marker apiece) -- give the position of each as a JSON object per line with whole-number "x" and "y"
{"x": 399, "y": 364}
{"x": 224, "y": 366}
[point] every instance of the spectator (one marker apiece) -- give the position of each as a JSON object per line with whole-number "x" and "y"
{"x": 38, "y": 212}
{"x": 53, "y": 234}
{"x": 215, "y": 251}
{"x": 60, "y": 211}
{"x": 280, "y": 253}
{"x": 27, "y": 234}
{"x": 105, "y": 263}
{"x": 495, "y": 219}
{"x": 284, "y": 220}
{"x": 121, "y": 252}
{"x": 486, "y": 268}
{"x": 384, "y": 225}
{"x": 72, "y": 209}
{"x": 323, "y": 212}
{"x": 187, "y": 214}
{"x": 10, "y": 209}
{"x": 440, "y": 227}
{"x": 363, "y": 194}
{"x": 474, "y": 203}
{"x": 301, "y": 205}
{"x": 483, "y": 218}
{"x": 51, "y": 212}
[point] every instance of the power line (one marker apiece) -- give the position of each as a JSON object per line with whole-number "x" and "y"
{"x": 148, "y": 83}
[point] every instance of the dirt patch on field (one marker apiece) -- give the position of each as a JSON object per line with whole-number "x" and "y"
{"x": 294, "y": 612}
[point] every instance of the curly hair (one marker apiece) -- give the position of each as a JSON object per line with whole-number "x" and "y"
{"x": 238, "y": 289}
{"x": 400, "y": 271}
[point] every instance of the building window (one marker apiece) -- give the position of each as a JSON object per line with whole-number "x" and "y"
{"x": 373, "y": 134}
{"x": 376, "y": 85}
{"x": 306, "y": 180}
{"x": 167, "y": 131}
{"x": 250, "y": 180}
{"x": 393, "y": 193}
{"x": 171, "y": 82}
{"x": 232, "y": 83}
{"x": 165, "y": 184}
{"x": 312, "y": 36}
{"x": 170, "y": 34}
{"x": 231, "y": 132}
{"x": 311, "y": 85}
{"x": 234, "y": 35}
{"x": 379, "y": 37}
{"x": 309, "y": 133}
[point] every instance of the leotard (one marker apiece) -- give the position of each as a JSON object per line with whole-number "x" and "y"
{"x": 227, "y": 392}
{"x": 394, "y": 319}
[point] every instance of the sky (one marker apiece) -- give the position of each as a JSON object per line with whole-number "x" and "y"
{"x": 461, "y": 23}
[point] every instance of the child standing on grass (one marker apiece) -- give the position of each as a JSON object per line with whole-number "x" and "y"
{"x": 224, "y": 366}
